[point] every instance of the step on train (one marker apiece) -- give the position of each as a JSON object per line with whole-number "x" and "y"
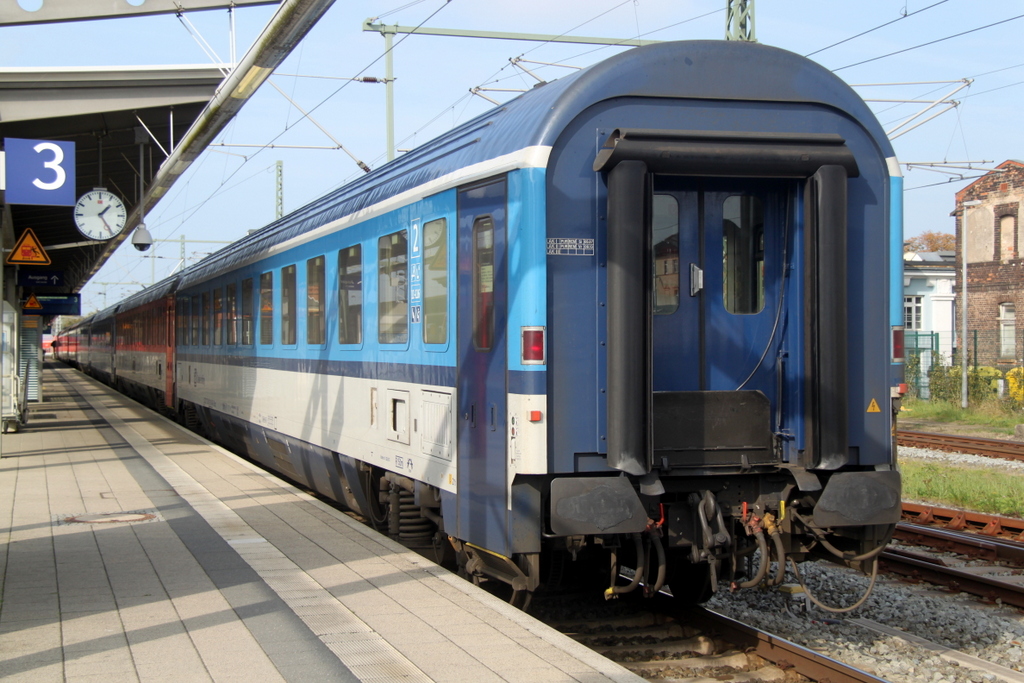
{"x": 644, "y": 316}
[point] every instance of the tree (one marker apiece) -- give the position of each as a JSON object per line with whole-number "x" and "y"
{"x": 930, "y": 241}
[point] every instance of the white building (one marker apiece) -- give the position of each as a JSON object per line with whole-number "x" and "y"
{"x": 929, "y": 313}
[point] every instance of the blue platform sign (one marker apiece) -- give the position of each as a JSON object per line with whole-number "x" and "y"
{"x": 38, "y": 278}
{"x": 40, "y": 172}
{"x": 58, "y": 304}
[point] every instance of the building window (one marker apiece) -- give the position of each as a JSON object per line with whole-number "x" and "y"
{"x": 1007, "y": 331}
{"x": 435, "y": 282}
{"x": 393, "y": 290}
{"x": 350, "y": 295}
{"x": 913, "y": 312}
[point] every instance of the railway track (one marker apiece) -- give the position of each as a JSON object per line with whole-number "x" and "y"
{"x": 995, "y": 546}
{"x": 694, "y": 643}
{"x": 993, "y": 448}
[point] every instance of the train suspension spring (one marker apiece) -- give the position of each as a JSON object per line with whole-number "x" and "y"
{"x": 406, "y": 521}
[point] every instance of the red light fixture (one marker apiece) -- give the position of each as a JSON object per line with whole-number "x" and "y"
{"x": 898, "y": 349}
{"x": 533, "y": 346}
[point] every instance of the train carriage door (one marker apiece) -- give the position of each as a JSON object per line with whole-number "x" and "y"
{"x": 720, "y": 249}
{"x": 482, "y": 364}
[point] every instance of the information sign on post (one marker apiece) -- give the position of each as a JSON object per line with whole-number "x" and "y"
{"x": 40, "y": 172}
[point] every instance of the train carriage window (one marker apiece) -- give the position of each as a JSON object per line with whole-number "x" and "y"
{"x": 248, "y": 327}
{"x": 231, "y": 304}
{"x": 205, "y": 322}
{"x": 393, "y": 288}
{"x": 350, "y": 295}
{"x": 315, "y": 333}
{"x": 743, "y": 254}
{"x": 181, "y": 328}
{"x": 665, "y": 247}
{"x": 196, "y": 316}
{"x": 218, "y": 317}
{"x": 288, "y": 319}
{"x": 267, "y": 308}
{"x": 483, "y": 283}
{"x": 435, "y": 282}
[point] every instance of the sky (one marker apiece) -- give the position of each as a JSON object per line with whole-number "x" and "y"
{"x": 910, "y": 46}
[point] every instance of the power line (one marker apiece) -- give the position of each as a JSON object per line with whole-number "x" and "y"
{"x": 864, "y": 33}
{"x": 931, "y": 42}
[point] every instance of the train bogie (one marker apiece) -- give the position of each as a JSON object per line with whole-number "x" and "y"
{"x": 644, "y": 313}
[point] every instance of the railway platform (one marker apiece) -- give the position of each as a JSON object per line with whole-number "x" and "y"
{"x": 134, "y": 550}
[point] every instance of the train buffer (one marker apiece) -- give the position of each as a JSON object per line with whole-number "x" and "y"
{"x": 137, "y": 550}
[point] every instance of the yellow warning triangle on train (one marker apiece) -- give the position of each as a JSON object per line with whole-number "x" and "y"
{"x": 873, "y": 407}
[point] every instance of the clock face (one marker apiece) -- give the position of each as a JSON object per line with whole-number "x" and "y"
{"x": 100, "y": 215}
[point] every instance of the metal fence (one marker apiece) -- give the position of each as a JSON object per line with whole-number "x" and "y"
{"x": 989, "y": 354}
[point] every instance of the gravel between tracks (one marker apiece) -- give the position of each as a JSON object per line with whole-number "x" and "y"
{"x": 960, "y": 622}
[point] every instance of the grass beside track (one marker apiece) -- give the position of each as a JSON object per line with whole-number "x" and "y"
{"x": 998, "y": 416}
{"x": 994, "y": 490}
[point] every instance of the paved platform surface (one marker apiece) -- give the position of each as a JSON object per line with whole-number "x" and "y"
{"x": 133, "y": 550}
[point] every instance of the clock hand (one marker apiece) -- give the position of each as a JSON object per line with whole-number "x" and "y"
{"x": 107, "y": 208}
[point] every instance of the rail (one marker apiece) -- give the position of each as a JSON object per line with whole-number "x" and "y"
{"x": 993, "y": 448}
{"x": 998, "y": 541}
{"x": 784, "y": 653}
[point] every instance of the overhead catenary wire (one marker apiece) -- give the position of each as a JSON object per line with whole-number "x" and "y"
{"x": 317, "y": 106}
{"x": 931, "y": 42}
{"x": 870, "y": 30}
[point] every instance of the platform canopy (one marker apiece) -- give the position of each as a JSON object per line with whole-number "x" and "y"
{"x": 114, "y": 116}
{"x": 136, "y": 129}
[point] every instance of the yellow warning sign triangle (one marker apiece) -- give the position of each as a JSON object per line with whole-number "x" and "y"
{"x": 28, "y": 251}
{"x": 873, "y": 407}
{"x": 32, "y": 304}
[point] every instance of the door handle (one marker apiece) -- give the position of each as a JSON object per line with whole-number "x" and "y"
{"x": 494, "y": 418}
{"x": 696, "y": 279}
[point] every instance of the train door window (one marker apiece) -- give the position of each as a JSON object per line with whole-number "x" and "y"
{"x": 665, "y": 247}
{"x": 196, "y": 316}
{"x": 288, "y": 318}
{"x": 315, "y": 300}
{"x": 231, "y": 304}
{"x": 435, "y": 282}
{"x": 218, "y": 317}
{"x": 743, "y": 254}
{"x": 483, "y": 283}
{"x": 267, "y": 308}
{"x": 350, "y": 295}
{"x": 248, "y": 327}
{"x": 393, "y": 288}
{"x": 205, "y": 322}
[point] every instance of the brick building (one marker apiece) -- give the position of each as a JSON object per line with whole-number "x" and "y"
{"x": 995, "y": 265}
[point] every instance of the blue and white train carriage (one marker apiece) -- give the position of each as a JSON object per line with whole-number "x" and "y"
{"x": 648, "y": 310}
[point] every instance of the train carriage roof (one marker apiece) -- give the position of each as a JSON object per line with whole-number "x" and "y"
{"x": 722, "y": 70}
